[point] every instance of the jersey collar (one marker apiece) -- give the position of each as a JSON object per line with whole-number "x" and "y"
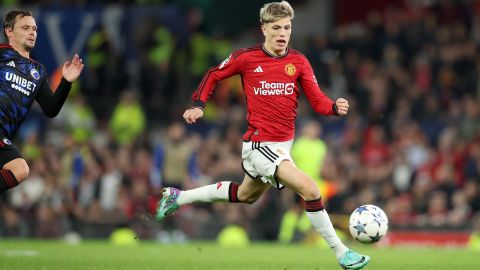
{"x": 5, "y": 45}
{"x": 272, "y": 55}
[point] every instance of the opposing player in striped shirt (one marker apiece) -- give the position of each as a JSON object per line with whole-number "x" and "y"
{"x": 23, "y": 81}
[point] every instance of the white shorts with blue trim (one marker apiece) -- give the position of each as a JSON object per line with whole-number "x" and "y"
{"x": 261, "y": 160}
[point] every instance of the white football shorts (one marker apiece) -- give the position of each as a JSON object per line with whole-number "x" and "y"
{"x": 261, "y": 160}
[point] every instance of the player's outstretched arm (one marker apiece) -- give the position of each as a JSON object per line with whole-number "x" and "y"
{"x": 72, "y": 69}
{"x": 52, "y": 101}
{"x": 342, "y": 106}
{"x": 191, "y": 115}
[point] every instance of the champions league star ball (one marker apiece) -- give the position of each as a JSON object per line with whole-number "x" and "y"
{"x": 368, "y": 224}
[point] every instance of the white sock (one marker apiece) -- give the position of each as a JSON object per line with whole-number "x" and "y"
{"x": 321, "y": 222}
{"x": 217, "y": 192}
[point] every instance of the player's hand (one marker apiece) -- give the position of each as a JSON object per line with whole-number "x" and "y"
{"x": 72, "y": 69}
{"x": 342, "y": 106}
{"x": 191, "y": 115}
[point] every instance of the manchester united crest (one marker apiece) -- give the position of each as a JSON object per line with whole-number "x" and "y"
{"x": 290, "y": 69}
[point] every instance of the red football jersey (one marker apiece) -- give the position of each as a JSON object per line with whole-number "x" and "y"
{"x": 271, "y": 88}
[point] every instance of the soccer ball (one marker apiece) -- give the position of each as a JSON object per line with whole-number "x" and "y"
{"x": 368, "y": 224}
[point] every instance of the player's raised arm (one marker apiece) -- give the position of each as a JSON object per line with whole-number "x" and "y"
{"x": 52, "y": 102}
{"x": 320, "y": 102}
{"x": 72, "y": 69}
{"x": 229, "y": 67}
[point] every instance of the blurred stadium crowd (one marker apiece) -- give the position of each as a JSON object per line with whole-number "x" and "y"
{"x": 410, "y": 144}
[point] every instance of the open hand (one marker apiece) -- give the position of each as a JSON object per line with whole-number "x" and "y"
{"x": 72, "y": 69}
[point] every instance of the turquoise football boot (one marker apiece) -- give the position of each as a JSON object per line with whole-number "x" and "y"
{"x": 353, "y": 261}
{"x": 168, "y": 203}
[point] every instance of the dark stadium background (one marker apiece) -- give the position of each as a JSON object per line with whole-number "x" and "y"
{"x": 410, "y": 144}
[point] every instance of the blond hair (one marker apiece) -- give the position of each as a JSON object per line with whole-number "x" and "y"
{"x": 275, "y": 11}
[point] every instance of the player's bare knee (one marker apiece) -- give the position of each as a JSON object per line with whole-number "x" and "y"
{"x": 19, "y": 168}
{"x": 310, "y": 192}
{"x": 21, "y": 172}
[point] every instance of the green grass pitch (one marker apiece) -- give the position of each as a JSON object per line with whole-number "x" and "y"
{"x": 33, "y": 255}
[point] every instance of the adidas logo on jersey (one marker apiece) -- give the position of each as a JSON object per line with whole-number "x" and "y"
{"x": 258, "y": 69}
{"x": 11, "y": 63}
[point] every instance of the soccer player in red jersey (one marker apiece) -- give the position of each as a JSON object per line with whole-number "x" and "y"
{"x": 270, "y": 74}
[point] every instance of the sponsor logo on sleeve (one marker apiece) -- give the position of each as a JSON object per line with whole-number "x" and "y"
{"x": 222, "y": 65}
